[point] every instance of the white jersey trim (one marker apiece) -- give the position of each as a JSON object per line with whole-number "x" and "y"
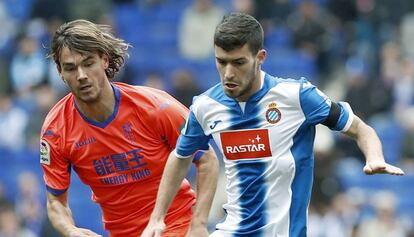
{"x": 350, "y": 117}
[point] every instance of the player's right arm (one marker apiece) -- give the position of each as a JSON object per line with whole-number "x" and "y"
{"x": 192, "y": 138}
{"x": 61, "y": 218}
{"x": 174, "y": 173}
{"x": 56, "y": 170}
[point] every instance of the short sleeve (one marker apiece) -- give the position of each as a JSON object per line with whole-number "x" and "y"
{"x": 192, "y": 138}
{"x": 56, "y": 168}
{"x": 318, "y": 108}
{"x": 345, "y": 118}
{"x": 170, "y": 118}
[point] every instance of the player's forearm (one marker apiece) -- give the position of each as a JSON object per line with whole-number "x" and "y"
{"x": 207, "y": 177}
{"x": 174, "y": 173}
{"x": 367, "y": 140}
{"x": 370, "y": 145}
{"x": 60, "y": 216}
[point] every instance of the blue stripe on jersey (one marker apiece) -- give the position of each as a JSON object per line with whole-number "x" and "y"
{"x": 313, "y": 103}
{"x": 251, "y": 182}
{"x": 268, "y": 83}
{"x": 343, "y": 118}
{"x": 302, "y": 151}
{"x": 251, "y": 118}
{"x": 217, "y": 93}
{"x": 252, "y": 201}
{"x": 108, "y": 120}
{"x": 193, "y": 138}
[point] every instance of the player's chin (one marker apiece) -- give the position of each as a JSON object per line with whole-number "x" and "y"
{"x": 88, "y": 98}
{"x": 231, "y": 93}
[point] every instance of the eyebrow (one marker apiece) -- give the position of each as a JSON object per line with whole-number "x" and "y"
{"x": 235, "y": 59}
{"x": 83, "y": 60}
{"x": 232, "y": 60}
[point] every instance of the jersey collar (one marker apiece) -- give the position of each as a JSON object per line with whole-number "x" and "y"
{"x": 105, "y": 123}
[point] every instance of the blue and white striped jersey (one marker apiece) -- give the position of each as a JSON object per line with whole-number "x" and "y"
{"x": 267, "y": 146}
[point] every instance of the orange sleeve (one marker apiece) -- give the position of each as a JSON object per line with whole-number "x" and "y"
{"x": 170, "y": 119}
{"x": 56, "y": 168}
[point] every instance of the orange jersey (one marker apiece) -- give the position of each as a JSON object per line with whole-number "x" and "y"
{"x": 121, "y": 159}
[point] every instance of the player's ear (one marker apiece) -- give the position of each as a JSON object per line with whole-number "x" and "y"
{"x": 261, "y": 56}
{"x": 105, "y": 59}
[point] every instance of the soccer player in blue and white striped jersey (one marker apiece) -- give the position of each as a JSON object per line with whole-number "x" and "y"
{"x": 265, "y": 128}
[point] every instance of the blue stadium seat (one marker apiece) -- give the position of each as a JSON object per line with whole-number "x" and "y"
{"x": 205, "y": 73}
{"x": 20, "y": 10}
{"x": 278, "y": 38}
{"x": 86, "y": 213}
{"x": 391, "y": 135}
{"x": 289, "y": 63}
{"x": 350, "y": 175}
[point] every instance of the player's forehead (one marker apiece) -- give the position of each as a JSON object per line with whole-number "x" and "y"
{"x": 71, "y": 56}
{"x": 237, "y": 53}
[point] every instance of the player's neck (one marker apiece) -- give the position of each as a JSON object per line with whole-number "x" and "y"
{"x": 101, "y": 109}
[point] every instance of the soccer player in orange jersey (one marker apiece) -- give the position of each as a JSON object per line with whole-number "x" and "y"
{"x": 117, "y": 138}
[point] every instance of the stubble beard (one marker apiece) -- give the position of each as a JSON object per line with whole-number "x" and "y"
{"x": 248, "y": 87}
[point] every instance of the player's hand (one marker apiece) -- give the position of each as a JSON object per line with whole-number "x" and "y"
{"x": 197, "y": 231}
{"x": 381, "y": 167}
{"x": 154, "y": 229}
{"x": 81, "y": 232}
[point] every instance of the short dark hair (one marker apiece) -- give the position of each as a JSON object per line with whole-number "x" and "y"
{"x": 84, "y": 36}
{"x": 237, "y": 29}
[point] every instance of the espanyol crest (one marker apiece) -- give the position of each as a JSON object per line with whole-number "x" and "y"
{"x": 273, "y": 114}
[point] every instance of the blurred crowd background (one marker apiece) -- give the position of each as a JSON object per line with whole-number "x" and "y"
{"x": 360, "y": 51}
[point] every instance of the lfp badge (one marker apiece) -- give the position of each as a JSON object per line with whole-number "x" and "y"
{"x": 273, "y": 114}
{"x": 44, "y": 152}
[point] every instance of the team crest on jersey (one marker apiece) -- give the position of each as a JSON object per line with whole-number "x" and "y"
{"x": 44, "y": 152}
{"x": 246, "y": 144}
{"x": 128, "y": 131}
{"x": 273, "y": 114}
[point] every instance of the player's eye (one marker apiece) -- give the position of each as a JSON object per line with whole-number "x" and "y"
{"x": 88, "y": 64}
{"x": 69, "y": 69}
{"x": 239, "y": 63}
{"x": 221, "y": 62}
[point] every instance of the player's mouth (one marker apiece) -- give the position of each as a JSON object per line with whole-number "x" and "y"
{"x": 230, "y": 85}
{"x": 85, "y": 88}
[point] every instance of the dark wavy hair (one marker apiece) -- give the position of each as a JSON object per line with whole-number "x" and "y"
{"x": 83, "y": 36}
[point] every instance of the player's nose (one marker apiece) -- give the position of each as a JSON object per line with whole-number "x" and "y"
{"x": 81, "y": 74}
{"x": 228, "y": 72}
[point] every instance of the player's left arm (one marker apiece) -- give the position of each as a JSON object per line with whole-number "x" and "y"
{"x": 318, "y": 108}
{"x": 370, "y": 145}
